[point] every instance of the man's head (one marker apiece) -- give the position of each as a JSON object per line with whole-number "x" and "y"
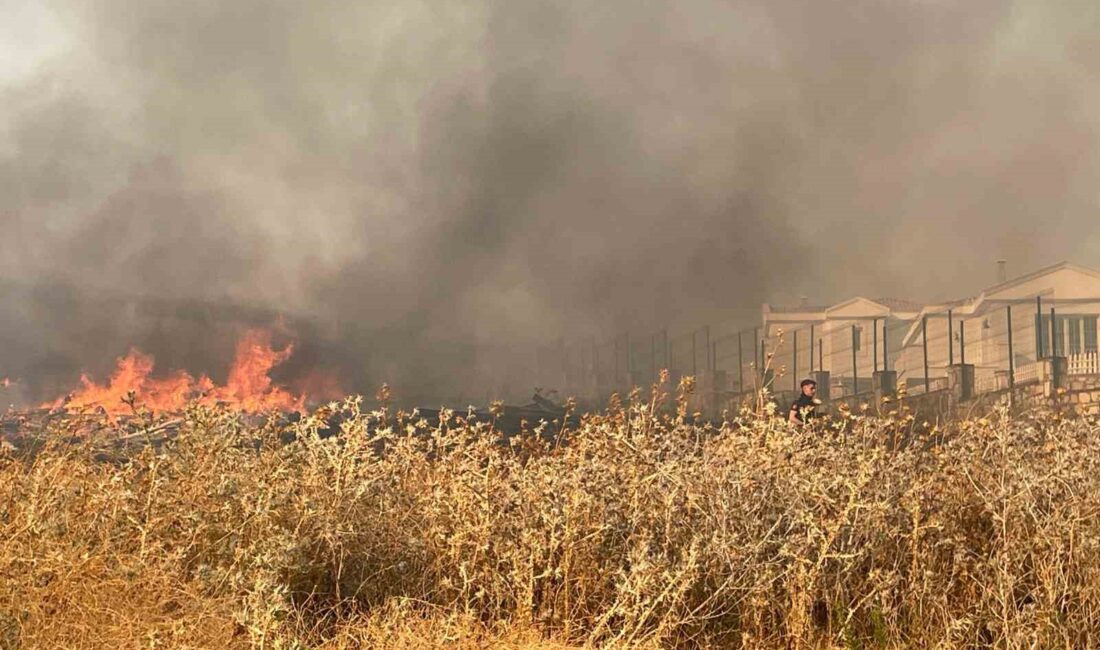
{"x": 809, "y": 387}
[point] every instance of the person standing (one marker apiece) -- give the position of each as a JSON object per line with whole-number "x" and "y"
{"x": 804, "y": 408}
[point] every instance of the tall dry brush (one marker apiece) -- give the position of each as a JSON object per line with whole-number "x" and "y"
{"x": 637, "y": 529}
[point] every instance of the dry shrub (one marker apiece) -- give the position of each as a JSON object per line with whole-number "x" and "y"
{"x": 640, "y": 529}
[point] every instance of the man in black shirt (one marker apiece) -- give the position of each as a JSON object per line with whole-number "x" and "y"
{"x": 803, "y": 409}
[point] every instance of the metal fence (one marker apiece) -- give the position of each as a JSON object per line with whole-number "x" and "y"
{"x": 1003, "y": 344}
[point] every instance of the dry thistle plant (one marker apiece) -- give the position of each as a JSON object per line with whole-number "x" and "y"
{"x": 635, "y": 528}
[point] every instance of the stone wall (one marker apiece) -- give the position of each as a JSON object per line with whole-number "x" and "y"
{"x": 1081, "y": 394}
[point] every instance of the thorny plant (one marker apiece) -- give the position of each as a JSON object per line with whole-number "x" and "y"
{"x": 764, "y": 376}
{"x": 633, "y": 528}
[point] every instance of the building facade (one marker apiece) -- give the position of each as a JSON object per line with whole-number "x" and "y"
{"x": 1003, "y": 332}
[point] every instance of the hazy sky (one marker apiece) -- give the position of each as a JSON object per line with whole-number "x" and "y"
{"x": 447, "y": 185}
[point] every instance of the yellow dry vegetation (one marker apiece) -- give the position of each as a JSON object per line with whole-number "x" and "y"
{"x": 639, "y": 529}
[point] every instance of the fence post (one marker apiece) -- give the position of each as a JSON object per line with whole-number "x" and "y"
{"x": 924, "y": 337}
{"x": 811, "y": 348}
{"x": 740, "y": 365}
{"x": 855, "y": 370}
{"x": 1038, "y": 327}
{"x": 766, "y": 366}
{"x": 757, "y": 346}
{"x": 1011, "y": 365}
{"x": 962, "y": 341}
{"x": 874, "y": 350}
{"x": 1053, "y": 332}
{"x": 706, "y": 335}
{"x": 885, "y": 347}
{"x": 794, "y": 362}
{"x": 950, "y": 339}
{"x": 885, "y": 382}
{"x": 694, "y": 365}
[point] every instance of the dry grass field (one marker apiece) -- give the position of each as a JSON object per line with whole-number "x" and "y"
{"x": 641, "y": 530}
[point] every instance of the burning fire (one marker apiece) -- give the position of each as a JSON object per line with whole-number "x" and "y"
{"x": 248, "y": 388}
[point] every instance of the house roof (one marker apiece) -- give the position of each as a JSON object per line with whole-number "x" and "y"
{"x": 909, "y": 308}
{"x": 856, "y": 302}
{"x": 899, "y": 304}
{"x": 975, "y": 304}
{"x": 1014, "y": 282}
{"x": 796, "y": 309}
{"x": 819, "y": 312}
{"x": 857, "y": 308}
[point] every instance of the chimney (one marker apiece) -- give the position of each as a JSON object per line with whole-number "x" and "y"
{"x": 1002, "y": 271}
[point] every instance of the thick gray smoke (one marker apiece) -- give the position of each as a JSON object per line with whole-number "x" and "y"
{"x": 434, "y": 189}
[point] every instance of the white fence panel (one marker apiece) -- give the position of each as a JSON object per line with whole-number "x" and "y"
{"x": 1087, "y": 363}
{"x": 1027, "y": 372}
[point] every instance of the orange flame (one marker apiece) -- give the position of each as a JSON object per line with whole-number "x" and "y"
{"x": 249, "y": 387}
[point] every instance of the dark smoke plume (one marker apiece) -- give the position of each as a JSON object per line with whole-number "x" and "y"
{"x": 426, "y": 192}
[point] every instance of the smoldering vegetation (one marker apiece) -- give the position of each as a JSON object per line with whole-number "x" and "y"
{"x": 440, "y": 188}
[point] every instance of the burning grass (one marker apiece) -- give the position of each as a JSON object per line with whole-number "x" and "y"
{"x": 642, "y": 530}
{"x": 249, "y": 386}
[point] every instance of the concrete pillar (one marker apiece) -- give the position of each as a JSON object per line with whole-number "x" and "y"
{"x": 885, "y": 383}
{"x": 960, "y": 380}
{"x": 1054, "y": 374}
{"x": 822, "y": 379}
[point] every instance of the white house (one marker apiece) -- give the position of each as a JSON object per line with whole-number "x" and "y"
{"x": 847, "y": 337}
{"x": 979, "y": 326}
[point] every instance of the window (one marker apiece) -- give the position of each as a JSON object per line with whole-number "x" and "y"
{"x": 1073, "y": 334}
{"x": 857, "y": 338}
